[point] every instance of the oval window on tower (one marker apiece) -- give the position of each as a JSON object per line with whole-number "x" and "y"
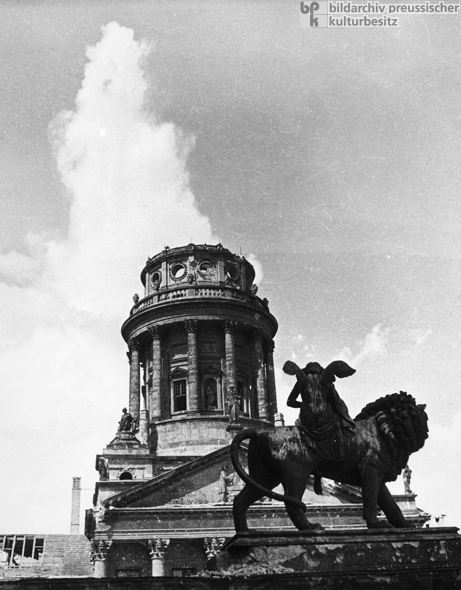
{"x": 178, "y": 271}
{"x": 156, "y": 279}
{"x": 206, "y": 269}
{"x": 232, "y": 272}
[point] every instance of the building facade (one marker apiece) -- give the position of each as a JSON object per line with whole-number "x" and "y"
{"x": 200, "y": 347}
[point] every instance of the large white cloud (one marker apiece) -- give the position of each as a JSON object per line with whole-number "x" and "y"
{"x": 62, "y": 364}
{"x": 127, "y": 178}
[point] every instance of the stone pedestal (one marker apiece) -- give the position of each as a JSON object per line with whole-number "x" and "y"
{"x": 392, "y": 555}
{"x": 125, "y": 440}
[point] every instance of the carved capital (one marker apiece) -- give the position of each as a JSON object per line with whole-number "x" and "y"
{"x": 191, "y": 326}
{"x": 155, "y": 332}
{"x": 157, "y": 547}
{"x": 99, "y": 550}
{"x": 134, "y": 345}
{"x": 213, "y": 545}
{"x": 229, "y": 326}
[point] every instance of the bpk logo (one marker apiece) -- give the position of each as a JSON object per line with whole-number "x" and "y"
{"x": 314, "y": 14}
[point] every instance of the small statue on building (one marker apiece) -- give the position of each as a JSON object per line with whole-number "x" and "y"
{"x": 126, "y": 421}
{"x": 407, "y": 479}
{"x": 103, "y": 468}
{"x": 135, "y": 298}
{"x": 99, "y": 512}
{"x": 211, "y": 398}
{"x": 233, "y": 405}
{"x": 225, "y": 481}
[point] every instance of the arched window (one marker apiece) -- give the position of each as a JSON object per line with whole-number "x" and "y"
{"x": 126, "y": 475}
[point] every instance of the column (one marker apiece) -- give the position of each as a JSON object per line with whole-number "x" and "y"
{"x": 192, "y": 355}
{"x": 271, "y": 391}
{"x": 143, "y": 433}
{"x": 135, "y": 393}
{"x": 157, "y": 548}
{"x": 260, "y": 376}
{"x": 75, "y": 514}
{"x": 155, "y": 389}
{"x": 100, "y": 558}
{"x": 229, "y": 342}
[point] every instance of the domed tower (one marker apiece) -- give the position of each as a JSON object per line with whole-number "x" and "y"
{"x": 201, "y": 346}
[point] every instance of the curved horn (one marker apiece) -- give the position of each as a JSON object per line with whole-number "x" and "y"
{"x": 339, "y": 369}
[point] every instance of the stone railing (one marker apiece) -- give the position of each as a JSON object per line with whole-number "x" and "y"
{"x": 199, "y": 292}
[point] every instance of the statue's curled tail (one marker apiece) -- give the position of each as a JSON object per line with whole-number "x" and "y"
{"x": 252, "y": 436}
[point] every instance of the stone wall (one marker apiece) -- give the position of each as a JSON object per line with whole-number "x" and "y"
{"x": 63, "y": 555}
{"x": 449, "y": 579}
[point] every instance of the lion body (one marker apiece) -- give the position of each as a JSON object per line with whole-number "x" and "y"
{"x": 375, "y": 454}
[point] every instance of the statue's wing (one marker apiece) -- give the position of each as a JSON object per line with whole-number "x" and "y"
{"x": 337, "y": 369}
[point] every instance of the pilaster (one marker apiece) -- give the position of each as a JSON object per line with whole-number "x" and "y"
{"x": 192, "y": 354}
{"x": 271, "y": 389}
{"x": 260, "y": 376}
{"x": 100, "y": 557}
{"x": 229, "y": 341}
{"x": 155, "y": 389}
{"x": 135, "y": 392}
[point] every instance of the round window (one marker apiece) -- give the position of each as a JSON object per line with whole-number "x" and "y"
{"x": 206, "y": 269}
{"x": 178, "y": 271}
{"x": 232, "y": 272}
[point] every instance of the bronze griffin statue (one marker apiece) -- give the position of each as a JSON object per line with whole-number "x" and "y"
{"x": 367, "y": 452}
